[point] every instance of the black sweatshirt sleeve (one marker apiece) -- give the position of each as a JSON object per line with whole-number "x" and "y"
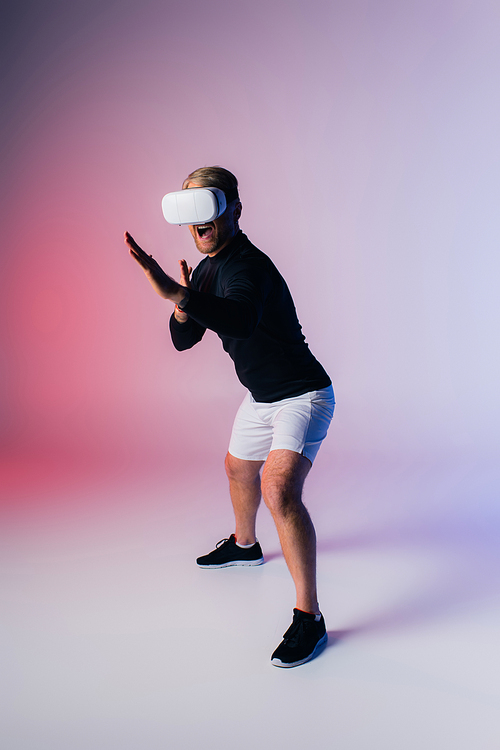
{"x": 185, "y": 335}
{"x": 237, "y": 313}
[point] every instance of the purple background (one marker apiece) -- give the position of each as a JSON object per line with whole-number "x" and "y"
{"x": 365, "y": 136}
{"x": 365, "y": 139}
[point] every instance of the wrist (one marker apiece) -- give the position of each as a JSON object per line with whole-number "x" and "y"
{"x": 182, "y": 298}
{"x": 179, "y": 315}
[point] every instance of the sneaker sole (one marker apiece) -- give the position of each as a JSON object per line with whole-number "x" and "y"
{"x": 317, "y": 649}
{"x": 232, "y": 563}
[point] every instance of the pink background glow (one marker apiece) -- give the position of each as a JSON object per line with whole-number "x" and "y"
{"x": 365, "y": 136}
{"x": 365, "y": 139}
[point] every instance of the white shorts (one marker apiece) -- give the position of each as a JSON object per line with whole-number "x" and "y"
{"x": 296, "y": 424}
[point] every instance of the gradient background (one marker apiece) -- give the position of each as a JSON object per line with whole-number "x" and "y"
{"x": 365, "y": 136}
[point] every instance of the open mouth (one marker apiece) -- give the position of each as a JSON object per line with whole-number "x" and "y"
{"x": 205, "y": 231}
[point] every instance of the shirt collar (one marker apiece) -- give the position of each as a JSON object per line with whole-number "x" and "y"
{"x": 226, "y": 251}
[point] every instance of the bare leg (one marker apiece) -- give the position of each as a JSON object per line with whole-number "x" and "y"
{"x": 244, "y": 486}
{"x": 282, "y": 482}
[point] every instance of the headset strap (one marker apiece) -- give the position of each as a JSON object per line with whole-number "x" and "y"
{"x": 231, "y": 195}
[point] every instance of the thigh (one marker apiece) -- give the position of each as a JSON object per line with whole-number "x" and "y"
{"x": 288, "y": 466}
{"x": 251, "y": 436}
{"x": 297, "y": 424}
{"x": 283, "y": 478}
{"x": 242, "y": 470}
{"x": 302, "y": 423}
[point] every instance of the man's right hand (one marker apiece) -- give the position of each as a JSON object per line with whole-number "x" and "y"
{"x": 180, "y": 316}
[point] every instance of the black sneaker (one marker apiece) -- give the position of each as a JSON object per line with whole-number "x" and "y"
{"x": 228, "y": 553}
{"x": 303, "y": 640}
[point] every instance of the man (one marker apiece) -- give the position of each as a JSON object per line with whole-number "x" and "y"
{"x": 237, "y": 292}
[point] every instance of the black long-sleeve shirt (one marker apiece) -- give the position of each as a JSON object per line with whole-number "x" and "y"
{"x": 241, "y": 295}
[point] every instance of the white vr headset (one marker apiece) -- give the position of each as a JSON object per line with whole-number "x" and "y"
{"x": 196, "y": 205}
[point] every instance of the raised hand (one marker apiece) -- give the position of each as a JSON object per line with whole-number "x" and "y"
{"x": 181, "y": 316}
{"x": 185, "y": 274}
{"x": 163, "y": 284}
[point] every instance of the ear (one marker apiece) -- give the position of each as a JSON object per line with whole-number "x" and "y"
{"x": 237, "y": 211}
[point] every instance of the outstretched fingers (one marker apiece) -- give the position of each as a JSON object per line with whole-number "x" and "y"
{"x": 134, "y": 249}
{"x": 145, "y": 260}
{"x": 129, "y": 240}
{"x": 161, "y": 282}
{"x": 185, "y": 273}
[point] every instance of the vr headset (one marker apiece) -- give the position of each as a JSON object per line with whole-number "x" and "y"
{"x": 196, "y": 205}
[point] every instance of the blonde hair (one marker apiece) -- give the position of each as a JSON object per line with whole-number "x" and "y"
{"x": 217, "y": 177}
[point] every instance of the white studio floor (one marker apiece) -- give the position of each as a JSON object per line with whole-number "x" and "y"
{"x": 112, "y": 638}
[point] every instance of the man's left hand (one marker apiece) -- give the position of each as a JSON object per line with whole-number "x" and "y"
{"x": 163, "y": 284}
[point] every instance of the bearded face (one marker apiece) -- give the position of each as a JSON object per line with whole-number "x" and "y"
{"x": 211, "y": 237}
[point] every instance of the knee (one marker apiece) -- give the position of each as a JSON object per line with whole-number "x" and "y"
{"x": 281, "y": 496}
{"x": 282, "y": 482}
{"x": 230, "y": 467}
{"x": 241, "y": 471}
